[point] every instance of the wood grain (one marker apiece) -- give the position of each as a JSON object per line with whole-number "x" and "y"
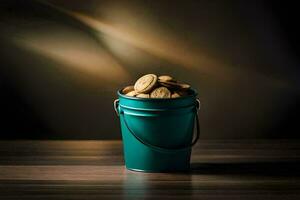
{"x": 225, "y": 169}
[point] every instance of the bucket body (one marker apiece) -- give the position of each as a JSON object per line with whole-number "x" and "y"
{"x": 157, "y": 133}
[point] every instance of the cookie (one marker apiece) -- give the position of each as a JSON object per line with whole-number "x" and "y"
{"x": 164, "y": 78}
{"x": 132, "y": 93}
{"x": 146, "y": 83}
{"x": 174, "y": 85}
{"x": 143, "y": 95}
{"x": 169, "y": 84}
{"x": 151, "y": 86}
{"x": 175, "y": 95}
{"x": 127, "y": 89}
{"x": 160, "y": 92}
{"x": 184, "y": 86}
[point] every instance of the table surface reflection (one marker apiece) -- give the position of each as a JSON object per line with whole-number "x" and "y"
{"x": 221, "y": 169}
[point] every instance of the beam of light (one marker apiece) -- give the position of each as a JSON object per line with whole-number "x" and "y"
{"x": 163, "y": 46}
{"x": 75, "y": 53}
{"x": 156, "y": 40}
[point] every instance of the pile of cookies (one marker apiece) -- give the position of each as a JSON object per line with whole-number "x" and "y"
{"x": 152, "y": 86}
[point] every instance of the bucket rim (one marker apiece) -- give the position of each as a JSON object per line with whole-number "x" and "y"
{"x": 194, "y": 94}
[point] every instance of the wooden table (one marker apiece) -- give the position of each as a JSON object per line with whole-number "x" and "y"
{"x": 249, "y": 169}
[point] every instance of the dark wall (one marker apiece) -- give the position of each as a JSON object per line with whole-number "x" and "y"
{"x": 63, "y": 61}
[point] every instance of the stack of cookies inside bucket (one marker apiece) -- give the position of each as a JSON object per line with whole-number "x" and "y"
{"x": 153, "y": 86}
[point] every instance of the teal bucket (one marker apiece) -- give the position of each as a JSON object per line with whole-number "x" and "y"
{"x": 158, "y": 134}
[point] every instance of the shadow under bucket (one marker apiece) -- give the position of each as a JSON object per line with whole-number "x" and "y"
{"x": 158, "y": 133}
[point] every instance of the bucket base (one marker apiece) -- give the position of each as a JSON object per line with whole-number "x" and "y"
{"x": 157, "y": 171}
{"x": 141, "y": 158}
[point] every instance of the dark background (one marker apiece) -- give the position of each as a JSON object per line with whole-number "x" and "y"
{"x": 59, "y": 71}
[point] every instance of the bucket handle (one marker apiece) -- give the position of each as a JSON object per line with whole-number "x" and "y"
{"x": 158, "y": 148}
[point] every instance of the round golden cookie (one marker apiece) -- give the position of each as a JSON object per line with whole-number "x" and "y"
{"x": 131, "y": 94}
{"x": 164, "y": 78}
{"x": 143, "y": 95}
{"x": 184, "y": 86}
{"x": 127, "y": 89}
{"x": 160, "y": 92}
{"x": 145, "y": 83}
{"x": 175, "y": 95}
